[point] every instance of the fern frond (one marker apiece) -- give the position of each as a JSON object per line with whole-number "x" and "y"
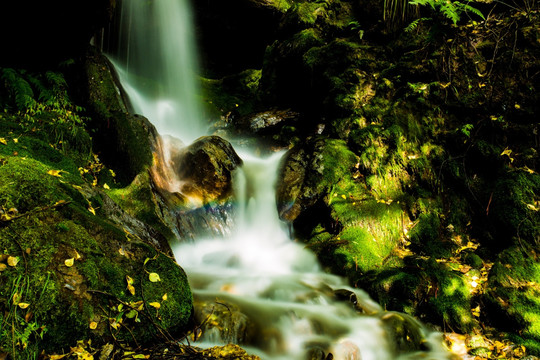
{"x": 20, "y": 89}
{"x": 450, "y": 11}
{"x": 58, "y": 85}
{"x": 56, "y": 79}
{"x": 44, "y": 94}
{"x": 413, "y": 25}
{"x": 469, "y": 8}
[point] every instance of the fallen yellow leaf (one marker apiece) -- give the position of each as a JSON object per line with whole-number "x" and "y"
{"x": 131, "y": 289}
{"x": 105, "y": 186}
{"x": 69, "y": 262}
{"x": 16, "y": 298}
{"x": 57, "y": 357}
{"x": 3, "y": 141}
{"x": 3, "y": 267}
{"x": 55, "y": 173}
{"x": 532, "y": 207}
{"x": 154, "y": 277}
{"x": 164, "y": 297}
{"x": 23, "y": 305}
{"x": 155, "y": 304}
{"x": 93, "y": 325}
{"x": 12, "y": 261}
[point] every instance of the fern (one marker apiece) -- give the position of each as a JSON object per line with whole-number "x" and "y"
{"x": 450, "y": 10}
{"x": 19, "y": 89}
{"x": 413, "y": 25}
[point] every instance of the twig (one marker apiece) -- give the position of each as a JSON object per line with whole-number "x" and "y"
{"x": 36, "y": 210}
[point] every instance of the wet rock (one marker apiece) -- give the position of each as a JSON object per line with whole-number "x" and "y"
{"x": 122, "y": 139}
{"x": 206, "y": 167}
{"x": 224, "y": 321}
{"x": 404, "y": 332}
{"x": 361, "y": 306}
{"x": 291, "y": 184}
{"x": 228, "y": 352}
{"x": 193, "y": 185}
{"x": 308, "y": 173}
{"x": 316, "y": 353}
{"x": 266, "y": 122}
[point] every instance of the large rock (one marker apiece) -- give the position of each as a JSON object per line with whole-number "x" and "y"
{"x": 194, "y": 184}
{"x": 206, "y": 167}
{"x": 122, "y": 139}
{"x": 84, "y": 265}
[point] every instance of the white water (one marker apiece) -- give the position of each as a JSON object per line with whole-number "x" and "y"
{"x": 275, "y": 281}
{"x": 157, "y": 65}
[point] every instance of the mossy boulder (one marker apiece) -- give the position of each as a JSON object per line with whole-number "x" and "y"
{"x": 72, "y": 271}
{"x": 122, "y": 140}
{"x": 325, "y": 196}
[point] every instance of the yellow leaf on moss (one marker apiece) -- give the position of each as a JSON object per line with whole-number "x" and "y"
{"x": 164, "y": 297}
{"x": 57, "y": 357}
{"x": 155, "y": 304}
{"x": 12, "y": 261}
{"x": 16, "y": 298}
{"x": 3, "y": 267}
{"x": 131, "y": 289}
{"x": 3, "y": 141}
{"x": 154, "y": 277}
{"x": 105, "y": 186}
{"x": 93, "y": 325}
{"x": 69, "y": 262}
{"x": 55, "y": 173}
{"x": 23, "y": 305}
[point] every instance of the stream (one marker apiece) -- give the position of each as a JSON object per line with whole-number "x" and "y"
{"x": 293, "y": 309}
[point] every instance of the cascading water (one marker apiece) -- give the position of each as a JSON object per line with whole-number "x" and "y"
{"x": 157, "y": 65}
{"x": 292, "y": 305}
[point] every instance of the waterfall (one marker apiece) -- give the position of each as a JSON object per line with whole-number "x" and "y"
{"x": 293, "y": 308}
{"x": 157, "y": 65}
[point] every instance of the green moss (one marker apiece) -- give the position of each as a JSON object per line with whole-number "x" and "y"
{"x": 51, "y": 224}
{"x": 309, "y": 12}
{"x": 514, "y": 194}
{"x": 512, "y": 296}
{"x": 138, "y": 200}
{"x": 363, "y": 251}
{"x": 232, "y": 94}
{"x": 426, "y": 237}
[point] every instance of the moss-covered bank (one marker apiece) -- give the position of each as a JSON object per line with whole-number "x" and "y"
{"x": 74, "y": 265}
